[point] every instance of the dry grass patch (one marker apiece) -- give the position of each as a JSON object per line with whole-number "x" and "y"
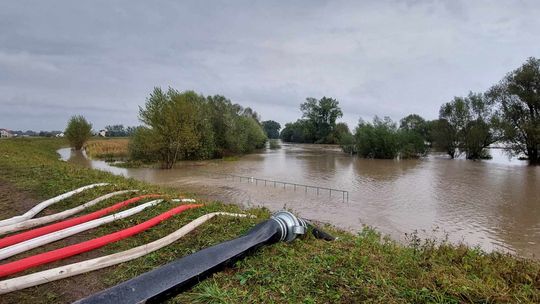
{"x": 108, "y": 148}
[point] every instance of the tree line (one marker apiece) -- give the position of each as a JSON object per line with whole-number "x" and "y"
{"x": 119, "y": 130}
{"x": 508, "y": 113}
{"x": 185, "y": 125}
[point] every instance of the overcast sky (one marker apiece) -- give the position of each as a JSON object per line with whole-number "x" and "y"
{"x": 101, "y": 59}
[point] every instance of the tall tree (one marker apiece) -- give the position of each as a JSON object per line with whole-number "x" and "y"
{"x": 249, "y": 112}
{"x": 444, "y": 137}
{"x": 456, "y": 115}
{"x": 413, "y": 135}
{"x": 518, "y": 100}
{"x": 466, "y": 125}
{"x": 322, "y": 114}
{"x": 414, "y": 123}
{"x": 480, "y": 131}
{"x": 271, "y": 128}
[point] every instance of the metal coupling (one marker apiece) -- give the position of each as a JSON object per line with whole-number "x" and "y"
{"x": 291, "y": 226}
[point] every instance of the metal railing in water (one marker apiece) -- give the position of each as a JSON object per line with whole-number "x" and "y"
{"x": 276, "y": 183}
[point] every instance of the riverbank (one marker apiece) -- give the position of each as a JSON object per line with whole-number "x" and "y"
{"x": 363, "y": 267}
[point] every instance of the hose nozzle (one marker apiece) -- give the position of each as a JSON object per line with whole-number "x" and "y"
{"x": 291, "y": 226}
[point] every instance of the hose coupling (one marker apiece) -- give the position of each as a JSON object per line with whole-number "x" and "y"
{"x": 291, "y": 226}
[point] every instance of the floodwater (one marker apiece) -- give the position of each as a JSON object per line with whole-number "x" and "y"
{"x": 494, "y": 204}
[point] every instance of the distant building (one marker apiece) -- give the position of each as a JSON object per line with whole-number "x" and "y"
{"x": 61, "y": 134}
{"x": 102, "y": 133}
{"x": 5, "y": 133}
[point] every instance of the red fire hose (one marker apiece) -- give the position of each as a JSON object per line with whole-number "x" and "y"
{"x": 62, "y": 253}
{"x": 30, "y": 234}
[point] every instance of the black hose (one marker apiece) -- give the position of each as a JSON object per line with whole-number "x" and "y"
{"x": 321, "y": 234}
{"x": 168, "y": 280}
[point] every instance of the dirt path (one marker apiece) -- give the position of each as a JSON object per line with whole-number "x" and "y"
{"x": 14, "y": 201}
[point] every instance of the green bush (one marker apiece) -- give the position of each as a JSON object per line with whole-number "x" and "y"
{"x": 382, "y": 139}
{"x": 301, "y": 131}
{"x": 78, "y": 131}
{"x": 378, "y": 139}
{"x": 271, "y": 128}
{"x": 144, "y": 145}
{"x": 185, "y": 125}
{"x": 411, "y": 144}
{"x": 347, "y": 143}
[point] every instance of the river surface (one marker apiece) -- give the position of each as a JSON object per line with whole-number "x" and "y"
{"x": 494, "y": 204}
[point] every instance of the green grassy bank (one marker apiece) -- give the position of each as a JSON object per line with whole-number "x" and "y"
{"x": 356, "y": 268}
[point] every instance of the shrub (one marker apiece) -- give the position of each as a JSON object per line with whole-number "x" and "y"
{"x": 382, "y": 139}
{"x": 378, "y": 139}
{"x": 185, "y": 125}
{"x": 78, "y": 131}
{"x": 411, "y": 144}
{"x": 144, "y": 145}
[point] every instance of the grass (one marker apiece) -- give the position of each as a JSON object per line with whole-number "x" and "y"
{"x": 365, "y": 267}
{"x": 109, "y": 149}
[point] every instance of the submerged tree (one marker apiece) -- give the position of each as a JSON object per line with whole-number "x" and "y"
{"x": 518, "y": 99}
{"x": 340, "y": 132}
{"x": 322, "y": 114}
{"x": 444, "y": 137}
{"x": 383, "y": 139}
{"x": 481, "y": 129}
{"x": 414, "y": 136}
{"x": 300, "y": 131}
{"x": 466, "y": 125}
{"x": 78, "y": 131}
{"x": 236, "y": 130}
{"x": 378, "y": 139}
{"x": 416, "y": 124}
{"x": 271, "y": 128}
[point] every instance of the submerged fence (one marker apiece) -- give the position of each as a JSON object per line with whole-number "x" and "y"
{"x": 275, "y": 183}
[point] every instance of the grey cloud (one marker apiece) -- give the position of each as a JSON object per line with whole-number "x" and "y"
{"x": 101, "y": 58}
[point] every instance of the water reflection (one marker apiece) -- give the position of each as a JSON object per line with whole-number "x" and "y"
{"x": 492, "y": 203}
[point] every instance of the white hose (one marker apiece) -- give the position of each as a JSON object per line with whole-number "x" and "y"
{"x": 57, "y": 216}
{"x": 60, "y": 234}
{"x": 36, "y": 209}
{"x": 74, "y": 269}
{"x": 184, "y": 200}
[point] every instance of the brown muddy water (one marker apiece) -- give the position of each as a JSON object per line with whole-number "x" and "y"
{"x": 494, "y": 204}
